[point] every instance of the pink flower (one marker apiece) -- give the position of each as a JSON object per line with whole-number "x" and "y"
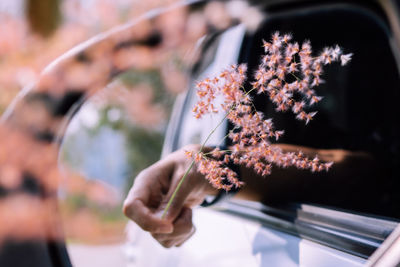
{"x": 280, "y": 79}
{"x": 344, "y": 59}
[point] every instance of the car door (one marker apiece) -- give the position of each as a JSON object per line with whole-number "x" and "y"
{"x": 309, "y": 234}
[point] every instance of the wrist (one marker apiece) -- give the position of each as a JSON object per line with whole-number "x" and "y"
{"x": 210, "y": 190}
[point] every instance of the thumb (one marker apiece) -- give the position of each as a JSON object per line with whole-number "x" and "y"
{"x": 175, "y": 199}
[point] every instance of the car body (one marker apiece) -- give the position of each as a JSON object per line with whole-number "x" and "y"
{"x": 293, "y": 234}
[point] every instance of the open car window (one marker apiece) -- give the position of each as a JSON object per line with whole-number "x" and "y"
{"x": 351, "y": 117}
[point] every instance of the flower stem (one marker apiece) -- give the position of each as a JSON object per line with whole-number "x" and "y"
{"x": 191, "y": 165}
{"x": 176, "y": 190}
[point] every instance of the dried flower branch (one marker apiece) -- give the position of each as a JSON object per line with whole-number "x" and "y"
{"x": 287, "y": 72}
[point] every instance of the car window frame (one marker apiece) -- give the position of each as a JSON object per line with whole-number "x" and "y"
{"x": 344, "y": 230}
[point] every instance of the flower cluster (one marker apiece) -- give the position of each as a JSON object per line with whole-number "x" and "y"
{"x": 287, "y": 70}
{"x": 288, "y": 75}
{"x": 213, "y": 166}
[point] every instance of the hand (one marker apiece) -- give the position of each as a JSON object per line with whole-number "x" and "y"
{"x": 153, "y": 188}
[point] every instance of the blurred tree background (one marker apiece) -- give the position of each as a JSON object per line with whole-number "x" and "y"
{"x": 32, "y": 38}
{"x": 115, "y": 134}
{"x": 44, "y": 16}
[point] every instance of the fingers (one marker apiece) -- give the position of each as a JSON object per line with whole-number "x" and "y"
{"x": 147, "y": 219}
{"x": 192, "y": 232}
{"x": 141, "y": 203}
{"x": 183, "y": 230}
{"x": 178, "y": 200}
{"x": 151, "y": 191}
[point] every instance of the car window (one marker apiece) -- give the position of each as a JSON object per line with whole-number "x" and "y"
{"x": 351, "y": 117}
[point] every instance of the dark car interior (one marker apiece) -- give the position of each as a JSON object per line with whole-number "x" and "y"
{"x": 359, "y": 113}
